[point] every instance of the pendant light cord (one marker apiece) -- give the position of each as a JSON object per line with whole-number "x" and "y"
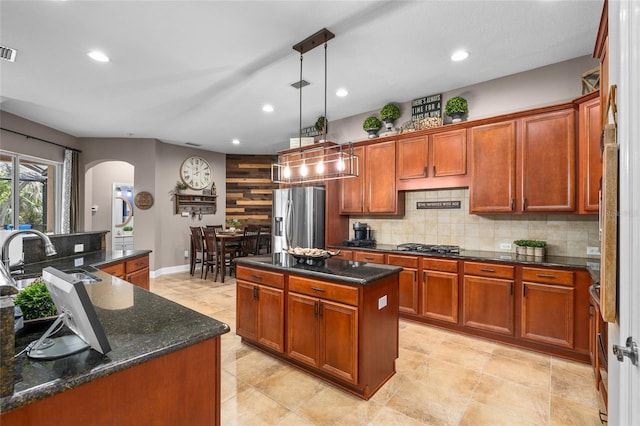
{"x": 300, "y": 122}
{"x": 324, "y": 126}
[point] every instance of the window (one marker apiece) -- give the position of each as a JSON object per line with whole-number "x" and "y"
{"x": 34, "y": 186}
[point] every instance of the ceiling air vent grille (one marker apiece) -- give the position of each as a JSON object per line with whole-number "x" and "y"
{"x": 299, "y": 84}
{"x": 8, "y": 54}
{"x": 193, "y": 144}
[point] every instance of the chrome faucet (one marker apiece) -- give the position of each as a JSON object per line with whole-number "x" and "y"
{"x": 49, "y": 248}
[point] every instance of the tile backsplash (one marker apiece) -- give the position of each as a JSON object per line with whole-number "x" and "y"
{"x": 565, "y": 234}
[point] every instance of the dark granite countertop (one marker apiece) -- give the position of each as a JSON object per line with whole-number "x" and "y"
{"x": 140, "y": 326}
{"x": 338, "y": 270}
{"x": 88, "y": 260}
{"x": 592, "y": 264}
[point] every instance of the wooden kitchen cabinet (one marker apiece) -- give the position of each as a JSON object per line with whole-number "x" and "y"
{"x": 260, "y": 307}
{"x": 408, "y": 281}
{"x": 135, "y": 270}
{"x": 374, "y": 190}
{"x": 368, "y": 256}
{"x": 492, "y": 187}
{"x": 439, "y": 290}
{"x": 547, "y": 159}
{"x": 438, "y": 160}
{"x": 488, "y": 297}
{"x": 321, "y": 332}
{"x": 547, "y": 311}
{"x": 525, "y": 165}
{"x": 589, "y": 157}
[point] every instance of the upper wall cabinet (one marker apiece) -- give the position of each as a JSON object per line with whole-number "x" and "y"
{"x": 524, "y": 165}
{"x": 374, "y": 190}
{"x": 589, "y": 158}
{"x": 438, "y": 160}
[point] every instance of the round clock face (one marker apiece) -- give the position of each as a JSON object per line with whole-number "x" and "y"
{"x": 196, "y": 172}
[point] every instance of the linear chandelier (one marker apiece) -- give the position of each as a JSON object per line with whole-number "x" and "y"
{"x": 327, "y": 161}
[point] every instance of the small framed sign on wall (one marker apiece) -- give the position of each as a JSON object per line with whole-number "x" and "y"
{"x": 428, "y": 106}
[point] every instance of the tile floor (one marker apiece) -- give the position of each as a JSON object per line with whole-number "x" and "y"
{"x": 442, "y": 378}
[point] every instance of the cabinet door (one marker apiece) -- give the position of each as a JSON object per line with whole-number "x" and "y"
{"x": 440, "y": 296}
{"x": 590, "y": 165}
{"x": 246, "y": 310}
{"x": 548, "y": 162}
{"x": 547, "y": 314}
{"x": 408, "y": 291}
{"x": 302, "y": 329}
{"x": 493, "y": 168}
{"x": 412, "y": 158}
{"x": 352, "y": 189}
{"x": 117, "y": 270}
{"x": 488, "y": 304}
{"x": 270, "y": 321}
{"x": 449, "y": 153}
{"x": 339, "y": 340}
{"x": 381, "y": 195}
{"x": 139, "y": 278}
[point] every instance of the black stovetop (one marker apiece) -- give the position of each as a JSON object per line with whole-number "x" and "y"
{"x": 429, "y": 248}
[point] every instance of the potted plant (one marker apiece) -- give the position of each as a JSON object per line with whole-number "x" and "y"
{"x": 322, "y": 126}
{"x": 456, "y": 107}
{"x": 521, "y": 246}
{"x": 389, "y": 114}
{"x": 539, "y": 248}
{"x": 180, "y": 186}
{"x": 128, "y": 230}
{"x": 233, "y": 224}
{"x": 35, "y": 301}
{"x": 372, "y": 125}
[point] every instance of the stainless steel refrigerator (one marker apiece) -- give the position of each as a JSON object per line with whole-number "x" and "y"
{"x": 298, "y": 218}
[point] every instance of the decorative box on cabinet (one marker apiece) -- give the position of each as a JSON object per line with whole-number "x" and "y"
{"x": 195, "y": 203}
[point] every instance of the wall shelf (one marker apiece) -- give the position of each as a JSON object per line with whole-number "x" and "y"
{"x": 195, "y": 203}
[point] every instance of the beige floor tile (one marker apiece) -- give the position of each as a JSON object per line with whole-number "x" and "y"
{"x": 293, "y": 419}
{"x": 390, "y": 417}
{"x": 250, "y": 407}
{"x": 290, "y": 387}
{"x": 329, "y": 406}
{"x": 565, "y": 412}
{"x": 479, "y": 414}
{"x": 254, "y": 367}
{"x": 460, "y": 354}
{"x": 530, "y": 403}
{"x": 575, "y": 385}
{"x": 520, "y": 370}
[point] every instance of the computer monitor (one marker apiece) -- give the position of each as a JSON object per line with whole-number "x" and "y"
{"x": 76, "y": 311}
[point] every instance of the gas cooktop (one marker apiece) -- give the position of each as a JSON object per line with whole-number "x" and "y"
{"x": 429, "y": 248}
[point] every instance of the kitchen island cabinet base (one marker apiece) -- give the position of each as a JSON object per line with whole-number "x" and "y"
{"x": 182, "y": 387}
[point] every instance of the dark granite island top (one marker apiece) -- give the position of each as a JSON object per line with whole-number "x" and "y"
{"x": 338, "y": 270}
{"x": 141, "y": 327}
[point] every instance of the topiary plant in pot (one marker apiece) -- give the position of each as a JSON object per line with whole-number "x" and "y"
{"x": 456, "y": 107}
{"x": 372, "y": 125}
{"x": 389, "y": 114}
{"x": 322, "y": 126}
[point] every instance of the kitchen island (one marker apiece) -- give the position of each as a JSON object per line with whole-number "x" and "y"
{"x": 164, "y": 366}
{"x": 335, "y": 319}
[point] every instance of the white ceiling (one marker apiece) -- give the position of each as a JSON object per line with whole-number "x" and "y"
{"x": 200, "y": 71}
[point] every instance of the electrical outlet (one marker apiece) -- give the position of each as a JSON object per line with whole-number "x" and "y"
{"x": 505, "y": 246}
{"x": 78, "y": 248}
{"x": 595, "y": 251}
{"x": 186, "y": 254}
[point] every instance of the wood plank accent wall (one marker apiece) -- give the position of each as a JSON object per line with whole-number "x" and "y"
{"x": 249, "y": 186}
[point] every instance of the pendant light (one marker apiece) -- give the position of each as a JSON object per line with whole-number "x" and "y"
{"x": 328, "y": 161}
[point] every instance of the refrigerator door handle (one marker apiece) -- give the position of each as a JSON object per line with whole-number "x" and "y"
{"x": 288, "y": 214}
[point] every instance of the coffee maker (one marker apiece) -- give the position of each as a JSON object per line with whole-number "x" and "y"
{"x": 361, "y": 236}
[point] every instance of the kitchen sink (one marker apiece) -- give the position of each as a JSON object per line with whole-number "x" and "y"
{"x": 78, "y": 275}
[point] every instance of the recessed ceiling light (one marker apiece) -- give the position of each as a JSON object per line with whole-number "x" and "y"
{"x": 235, "y": 142}
{"x": 342, "y": 92}
{"x": 99, "y": 56}
{"x": 267, "y": 108}
{"x": 459, "y": 55}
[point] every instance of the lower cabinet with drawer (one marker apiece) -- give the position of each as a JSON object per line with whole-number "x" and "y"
{"x": 439, "y": 290}
{"x": 408, "y": 281}
{"x": 135, "y": 270}
{"x": 488, "y": 297}
{"x": 260, "y": 307}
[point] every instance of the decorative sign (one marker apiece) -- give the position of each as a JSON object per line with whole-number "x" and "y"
{"x": 422, "y": 205}
{"x": 309, "y": 131}
{"x": 143, "y": 200}
{"x": 429, "y": 106}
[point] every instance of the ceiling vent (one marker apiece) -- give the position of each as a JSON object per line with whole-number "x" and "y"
{"x": 193, "y": 144}
{"x": 299, "y": 84}
{"x": 8, "y": 54}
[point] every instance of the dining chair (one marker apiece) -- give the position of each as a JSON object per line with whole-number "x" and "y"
{"x": 198, "y": 252}
{"x": 251, "y": 240}
{"x": 264, "y": 240}
{"x": 213, "y": 256}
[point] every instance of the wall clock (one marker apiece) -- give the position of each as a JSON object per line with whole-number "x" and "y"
{"x": 196, "y": 172}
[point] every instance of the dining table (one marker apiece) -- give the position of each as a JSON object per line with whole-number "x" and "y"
{"x": 227, "y": 238}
